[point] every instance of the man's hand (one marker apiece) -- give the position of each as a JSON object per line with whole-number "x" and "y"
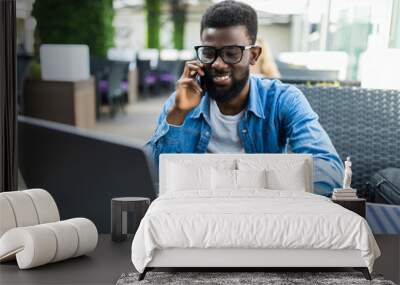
{"x": 188, "y": 93}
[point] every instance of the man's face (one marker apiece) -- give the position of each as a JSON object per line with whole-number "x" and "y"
{"x": 225, "y": 81}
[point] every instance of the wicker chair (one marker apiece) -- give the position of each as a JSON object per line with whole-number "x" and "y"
{"x": 362, "y": 123}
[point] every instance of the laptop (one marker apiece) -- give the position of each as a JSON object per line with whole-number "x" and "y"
{"x": 82, "y": 169}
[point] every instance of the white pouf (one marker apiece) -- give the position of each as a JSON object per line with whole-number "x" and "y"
{"x": 31, "y": 231}
{"x": 40, "y": 244}
{"x": 45, "y": 205}
{"x": 23, "y": 208}
{"x": 7, "y": 219}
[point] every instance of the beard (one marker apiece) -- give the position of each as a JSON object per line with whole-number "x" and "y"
{"x": 224, "y": 94}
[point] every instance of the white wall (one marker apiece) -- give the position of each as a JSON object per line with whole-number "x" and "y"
{"x": 27, "y": 24}
{"x": 277, "y": 36}
{"x": 192, "y": 31}
{"x": 130, "y": 29}
{"x": 24, "y": 8}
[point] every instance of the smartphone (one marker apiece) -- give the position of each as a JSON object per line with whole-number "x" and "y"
{"x": 201, "y": 82}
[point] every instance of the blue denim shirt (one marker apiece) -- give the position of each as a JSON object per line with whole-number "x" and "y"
{"x": 277, "y": 117}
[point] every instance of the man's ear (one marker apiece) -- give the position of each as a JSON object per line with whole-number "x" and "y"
{"x": 255, "y": 53}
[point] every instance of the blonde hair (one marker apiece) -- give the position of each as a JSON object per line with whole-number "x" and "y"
{"x": 265, "y": 64}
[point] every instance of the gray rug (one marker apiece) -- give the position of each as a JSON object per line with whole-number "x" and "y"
{"x": 243, "y": 278}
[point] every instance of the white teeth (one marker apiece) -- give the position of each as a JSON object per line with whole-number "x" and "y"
{"x": 222, "y": 77}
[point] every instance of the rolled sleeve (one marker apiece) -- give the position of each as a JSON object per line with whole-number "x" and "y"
{"x": 168, "y": 132}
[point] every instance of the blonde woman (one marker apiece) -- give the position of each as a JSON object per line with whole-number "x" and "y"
{"x": 265, "y": 65}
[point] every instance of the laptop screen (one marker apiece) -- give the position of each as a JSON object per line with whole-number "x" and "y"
{"x": 82, "y": 169}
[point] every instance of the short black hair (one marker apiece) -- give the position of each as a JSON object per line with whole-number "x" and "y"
{"x": 231, "y": 13}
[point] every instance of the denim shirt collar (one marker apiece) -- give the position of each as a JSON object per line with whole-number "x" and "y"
{"x": 254, "y": 103}
{"x": 203, "y": 108}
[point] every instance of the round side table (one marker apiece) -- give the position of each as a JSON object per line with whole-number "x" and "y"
{"x": 119, "y": 216}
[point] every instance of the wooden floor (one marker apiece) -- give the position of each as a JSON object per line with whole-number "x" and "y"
{"x": 102, "y": 266}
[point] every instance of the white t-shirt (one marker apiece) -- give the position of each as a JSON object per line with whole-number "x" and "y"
{"x": 224, "y": 131}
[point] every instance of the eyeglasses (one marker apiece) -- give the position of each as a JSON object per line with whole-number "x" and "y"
{"x": 229, "y": 54}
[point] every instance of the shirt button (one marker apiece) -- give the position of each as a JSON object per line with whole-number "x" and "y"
{"x": 244, "y": 131}
{"x": 207, "y": 133}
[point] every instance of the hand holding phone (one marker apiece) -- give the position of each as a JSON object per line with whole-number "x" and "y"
{"x": 188, "y": 92}
{"x": 188, "y": 87}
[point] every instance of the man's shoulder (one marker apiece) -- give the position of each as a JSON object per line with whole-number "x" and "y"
{"x": 274, "y": 89}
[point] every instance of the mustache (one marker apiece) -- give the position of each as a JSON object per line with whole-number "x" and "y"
{"x": 216, "y": 72}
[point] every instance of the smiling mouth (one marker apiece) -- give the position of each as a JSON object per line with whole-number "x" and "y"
{"x": 222, "y": 79}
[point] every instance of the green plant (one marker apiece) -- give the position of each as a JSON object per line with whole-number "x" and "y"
{"x": 153, "y": 9}
{"x": 34, "y": 70}
{"x": 178, "y": 9}
{"x": 76, "y": 22}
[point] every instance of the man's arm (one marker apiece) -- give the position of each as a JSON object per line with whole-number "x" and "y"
{"x": 168, "y": 134}
{"x": 167, "y": 137}
{"x": 306, "y": 135}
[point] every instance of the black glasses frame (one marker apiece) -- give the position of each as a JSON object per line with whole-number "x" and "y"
{"x": 218, "y": 52}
